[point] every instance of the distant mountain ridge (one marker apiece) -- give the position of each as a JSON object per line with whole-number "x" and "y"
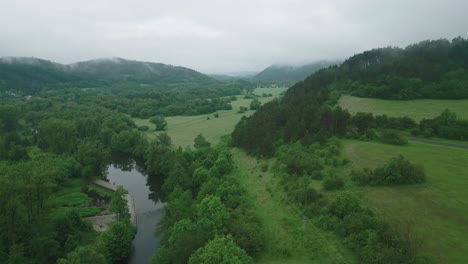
{"x": 282, "y": 74}
{"x": 33, "y": 74}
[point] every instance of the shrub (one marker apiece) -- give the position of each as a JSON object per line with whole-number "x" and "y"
{"x": 398, "y": 170}
{"x": 143, "y": 128}
{"x": 333, "y": 182}
{"x": 393, "y": 138}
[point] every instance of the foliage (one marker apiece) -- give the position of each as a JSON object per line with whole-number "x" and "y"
{"x": 83, "y": 255}
{"x": 118, "y": 241}
{"x": 446, "y": 125}
{"x": 159, "y": 122}
{"x": 206, "y": 205}
{"x": 220, "y": 250}
{"x": 333, "y": 182}
{"x": 397, "y": 171}
{"x": 370, "y": 238}
{"x": 200, "y": 142}
{"x": 392, "y": 137}
{"x": 255, "y": 104}
{"x": 119, "y": 203}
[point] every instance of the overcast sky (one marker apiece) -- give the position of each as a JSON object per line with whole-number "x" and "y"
{"x": 215, "y": 36}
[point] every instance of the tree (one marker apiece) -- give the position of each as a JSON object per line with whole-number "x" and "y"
{"x": 118, "y": 242}
{"x": 345, "y": 204}
{"x": 119, "y": 203}
{"x": 58, "y": 135}
{"x": 200, "y": 142}
{"x": 212, "y": 215}
{"x": 221, "y": 250}
{"x": 160, "y": 122}
{"x": 83, "y": 255}
{"x": 255, "y": 104}
{"x": 93, "y": 156}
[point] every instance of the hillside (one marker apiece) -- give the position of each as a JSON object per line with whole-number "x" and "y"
{"x": 436, "y": 69}
{"x": 439, "y": 67}
{"x": 30, "y": 75}
{"x": 306, "y": 132}
{"x": 287, "y": 75}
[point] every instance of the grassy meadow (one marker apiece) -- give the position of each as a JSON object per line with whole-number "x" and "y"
{"x": 416, "y": 109}
{"x": 183, "y": 129}
{"x": 437, "y": 210}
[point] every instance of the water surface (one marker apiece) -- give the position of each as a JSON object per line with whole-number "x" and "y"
{"x": 148, "y": 209}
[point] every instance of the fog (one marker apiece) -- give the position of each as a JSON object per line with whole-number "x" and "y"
{"x": 217, "y": 36}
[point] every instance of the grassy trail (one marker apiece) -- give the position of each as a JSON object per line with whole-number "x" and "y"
{"x": 291, "y": 237}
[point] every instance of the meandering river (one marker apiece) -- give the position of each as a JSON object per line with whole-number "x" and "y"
{"x": 149, "y": 209}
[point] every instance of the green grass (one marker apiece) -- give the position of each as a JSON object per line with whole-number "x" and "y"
{"x": 71, "y": 196}
{"x": 272, "y": 91}
{"x": 416, "y": 109}
{"x": 291, "y": 238}
{"x": 183, "y": 129}
{"x": 102, "y": 192}
{"x": 436, "y": 210}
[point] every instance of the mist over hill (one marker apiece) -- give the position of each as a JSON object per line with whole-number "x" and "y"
{"x": 31, "y": 75}
{"x": 287, "y": 75}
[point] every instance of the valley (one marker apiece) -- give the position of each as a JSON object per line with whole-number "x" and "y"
{"x": 339, "y": 166}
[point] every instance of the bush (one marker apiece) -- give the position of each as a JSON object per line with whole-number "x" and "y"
{"x": 333, "y": 182}
{"x": 393, "y": 138}
{"x": 398, "y": 170}
{"x": 143, "y": 128}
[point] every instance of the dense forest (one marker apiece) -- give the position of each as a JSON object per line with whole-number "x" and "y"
{"x": 435, "y": 69}
{"x": 49, "y": 153}
{"x": 207, "y": 218}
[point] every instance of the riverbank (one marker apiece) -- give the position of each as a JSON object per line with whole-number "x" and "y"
{"x": 101, "y": 223}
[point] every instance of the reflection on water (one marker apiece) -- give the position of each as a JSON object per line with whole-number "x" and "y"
{"x": 146, "y": 192}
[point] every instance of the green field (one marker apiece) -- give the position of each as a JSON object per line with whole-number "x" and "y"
{"x": 436, "y": 210}
{"x": 416, "y": 109}
{"x": 183, "y": 129}
{"x": 290, "y": 236}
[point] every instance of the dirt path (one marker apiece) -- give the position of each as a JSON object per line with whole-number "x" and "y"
{"x": 101, "y": 222}
{"x": 437, "y": 143}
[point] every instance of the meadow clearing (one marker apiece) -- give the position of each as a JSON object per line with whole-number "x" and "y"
{"x": 183, "y": 129}
{"x": 435, "y": 211}
{"x": 416, "y": 109}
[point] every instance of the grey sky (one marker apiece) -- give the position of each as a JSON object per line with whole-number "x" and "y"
{"x": 221, "y": 35}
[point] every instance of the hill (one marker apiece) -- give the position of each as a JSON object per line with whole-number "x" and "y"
{"x": 286, "y": 75}
{"x": 307, "y": 120}
{"x": 30, "y": 75}
{"x": 429, "y": 69}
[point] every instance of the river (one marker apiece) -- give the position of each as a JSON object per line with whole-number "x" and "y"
{"x": 149, "y": 209}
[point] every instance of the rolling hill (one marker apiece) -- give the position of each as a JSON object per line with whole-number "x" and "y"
{"x": 287, "y": 74}
{"x": 30, "y": 75}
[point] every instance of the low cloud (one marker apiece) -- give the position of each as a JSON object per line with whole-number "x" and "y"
{"x": 221, "y": 35}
